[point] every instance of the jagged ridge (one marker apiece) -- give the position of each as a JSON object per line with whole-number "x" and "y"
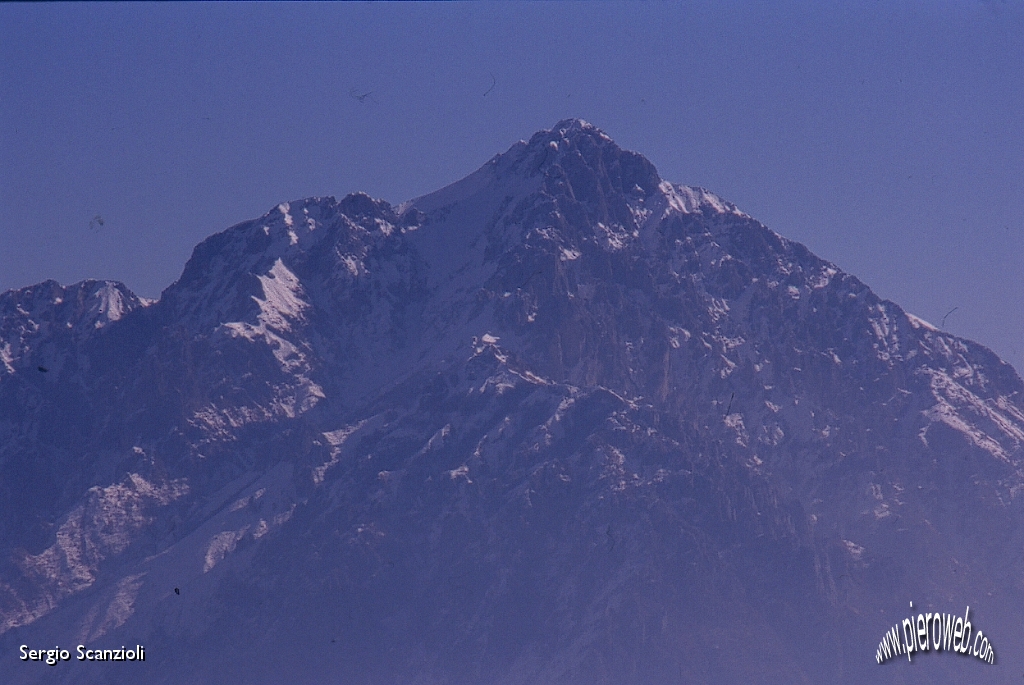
{"x": 561, "y": 388}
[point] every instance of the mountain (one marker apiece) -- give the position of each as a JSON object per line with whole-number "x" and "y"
{"x": 560, "y": 422}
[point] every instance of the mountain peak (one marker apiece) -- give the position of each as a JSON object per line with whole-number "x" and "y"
{"x": 559, "y": 387}
{"x": 581, "y": 153}
{"x": 571, "y": 130}
{"x": 51, "y": 312}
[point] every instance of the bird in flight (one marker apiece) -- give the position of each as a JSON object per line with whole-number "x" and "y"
{"x": 943, "y": 324}
{"x": 354, "y": 93}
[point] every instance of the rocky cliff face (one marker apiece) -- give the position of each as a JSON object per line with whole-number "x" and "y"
{"x": 560, "y": 422}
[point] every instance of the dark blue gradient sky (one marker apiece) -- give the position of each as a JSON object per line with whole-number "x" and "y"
{"x": 887, "y": 137}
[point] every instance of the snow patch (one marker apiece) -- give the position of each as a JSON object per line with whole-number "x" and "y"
{"x": 735, "y": 422}
{"x": 284, "y": 208}
{"x": 461, "y": 472}
{"x": 120, "y": 609}
{"x": 282, "y": 292}
{"x": 823, "y": 278}
{"x": 690, "y": 200}
{"x": 918, "y": 322}
{"x": 855, "y": 550}
{"x": 282, "y": 303}
{"x": 221, "y": 545}
{"x": 6, "y": 357}
{"x": 107, "y": 305}
{"x": 103, "y": 525}
{"x": 281, "y": 306}
{"x": 351, "y": 263}
{"x": 961, "y": 409}
{"x": 335, "y": 439}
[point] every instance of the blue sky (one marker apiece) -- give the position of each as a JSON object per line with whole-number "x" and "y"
{"x": 887, "y": 137}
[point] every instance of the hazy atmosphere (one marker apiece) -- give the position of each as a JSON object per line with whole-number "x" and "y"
{"x": 885, "y": 136}
{"x": 513, "y": 343}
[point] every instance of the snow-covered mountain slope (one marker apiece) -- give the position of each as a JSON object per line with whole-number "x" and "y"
{"x": 48, "y": 313}
{"x": 561, "y": 421}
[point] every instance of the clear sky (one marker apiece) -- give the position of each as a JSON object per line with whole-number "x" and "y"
{"x": 887, "y": 137}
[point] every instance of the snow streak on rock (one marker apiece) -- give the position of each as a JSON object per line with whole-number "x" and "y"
{"x": 560, "y": 421}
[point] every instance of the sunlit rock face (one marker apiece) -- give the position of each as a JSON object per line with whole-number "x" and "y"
{"x": 560, "y": 422}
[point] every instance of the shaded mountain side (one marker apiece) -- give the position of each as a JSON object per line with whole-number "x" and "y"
{"x": 559, "y": 422}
